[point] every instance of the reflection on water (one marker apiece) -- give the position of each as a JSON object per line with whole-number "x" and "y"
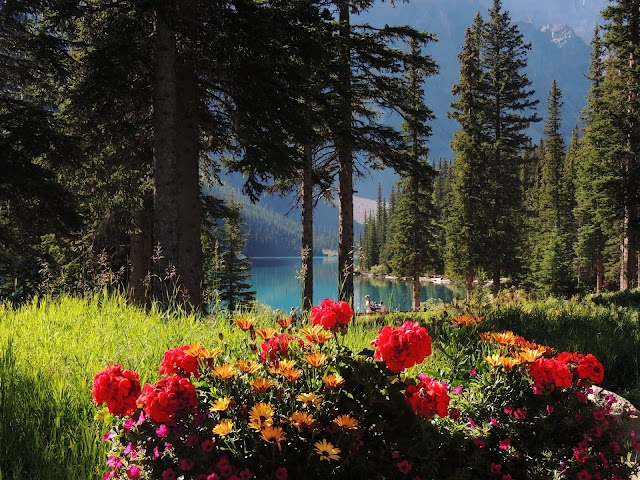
{"x": 276, "y": 282}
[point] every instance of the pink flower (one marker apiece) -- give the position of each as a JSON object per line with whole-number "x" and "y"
{"x": 496, "y": 468}
{"x": 505, "y": 444}
{"x": 162, "y": 431}
{"x": 114, "y": 462}
{"x": 494, "y": 422}
{"x": 186, "y": 464}
{"x": 550, "y": 409}
{"x": 404, "y": 467}
{"x": 599, "y": 415}
{"x": 509, "y": 409}
{"x": 246, "y": 474}
{"x": 471, "y": 423}
{"x": 479, "y": 443}
{"x": 458, "y": 390}
{"x": 520, "y": 414}
{"x": 473, "y": 372}
{"x": 134, "y": 472}
{"x": 169, "y": 474}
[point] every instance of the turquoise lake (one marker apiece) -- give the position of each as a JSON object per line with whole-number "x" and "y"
{"x": 276, "y": 283}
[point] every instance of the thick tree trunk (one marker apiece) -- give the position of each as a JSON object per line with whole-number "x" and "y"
{"x": 469, "y": 285}
{"x": 188, "y": 168}
{"x": 416, "y": 293}
{"x": 307, "y": 230}
{"x": 165, "y": 227}
{"x": 345, "y": 158}
{"x": 140, "y": 255}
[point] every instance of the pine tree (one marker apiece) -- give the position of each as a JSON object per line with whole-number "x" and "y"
{"x": 235, "y": 288}
{"x": 507, "y": 114}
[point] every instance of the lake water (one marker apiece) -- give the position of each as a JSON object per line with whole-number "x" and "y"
{"x": 276, "y": 282}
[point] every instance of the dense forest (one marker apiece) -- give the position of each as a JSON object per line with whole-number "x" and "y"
{"x": 116, "y": 115}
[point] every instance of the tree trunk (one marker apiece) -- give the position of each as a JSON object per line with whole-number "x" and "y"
{"x": 141, "y": 252}
{"x": 307, "y": 230}
{"x": 496, "y": 283}
{"x": 469, "y": 286}
{"x": 188, "y": 169}
{"x": 629, "y": 251}
{"x": 345, "y": 158}
{"x": 416, "y": 292}
{"x": 599, "y": 272}
{"x": 165, "y": 226}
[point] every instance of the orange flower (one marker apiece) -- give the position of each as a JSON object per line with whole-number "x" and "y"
{"x": 530, "y": 355}
{"x": 466, "y": 320}
{"x": 224, "y": 372}
{"x": 316, "y": 334}
{"x": 286, "y": 365}
{"x": 224, "y": 428}
{"x": 345, "y": 421}
{"x": 261, "y": 416}
{"x": 505, "y": 338}
{"x": 273, "y": 369}
{"x": 273, "y": 435}
{"x": 309, "y": 399}
{"x": 248, "y": 366}
{"x": 316, "y": 359}
{"x": 221, "y": 404}
{"x": 333, "y": 381}
{"x": 292, "y": 374}
{"x": 301, "y": 420}
{"x": 245, "y": 323}
{"x": 198, "y": 351}
{"x": 496, "y": 360}
{"x": 284, "y": 322}
{"x": 485, "y": 336}
{"x": 266, "y": 333}
{"x": 327, "y": 451}
{"x": 262, "y": 384}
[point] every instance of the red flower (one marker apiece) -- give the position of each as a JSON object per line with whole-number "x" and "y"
{"x": 550, "y": 373}
{"x": 118, "y": 388}
{"x": 402, "y": 347}
{"x": 404, "y": 467}
{"x": 590, "y": 368}
{"x": 281, "y": 473}
{"x": 429, "y": 397}
{"x": 275, "y": 347}
{"x": 331, "y": 315}
{"x": 178, "y": 362}
{"x": 168, "y": 399}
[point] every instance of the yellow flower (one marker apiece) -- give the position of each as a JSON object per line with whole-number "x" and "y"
{"x": 301, "y": 420}
{"x": 198, "y": 351}
{"x": 261, "y": 416}
{"x": 493, "y": 360}
{"x": 284, "y": 322}
{"x": 316, "y": 359}
{"x": 273, "y": 435}
{"x": 262, "y": 384}
{"x": 311, "y": 330}
{"x": 505, "y": 338}
{"x": 273, "y": 369}
{"x": 496, "y": 360}
{"x": 292, "y": 374}
{"x": 266, "y": 333}
{"x": 245, "y": 323}
{"x": 224, "y": 428}
{"x": 221, "y": 404}
{"x": 248, "y": 366}
{"x": 224, "y": 372}
{"x": 530, "y": 355}
{"x": 316, "y": 334}
{"x": 345, "y": 421}
{"x": 309, "y": 399}
{"x": 333, "y": 381}
{"x": 327, "y": 451}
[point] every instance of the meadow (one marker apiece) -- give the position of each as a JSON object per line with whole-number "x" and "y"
{"x": 50, "y": 350}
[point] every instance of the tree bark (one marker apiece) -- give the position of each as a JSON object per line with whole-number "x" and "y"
{"x": 307, "y": 230}
{"x": 188, "y": 168}
{"x": 599, "y": 272}
{"x": 496, "y": 283}
{"x": 140, "y": 254}
{"x": 416, "y": 292}
{"x": 469, "y": 286}
{"x": 165, "y": 226}
{"x": 345, "y": 158}
{"x": 629, "y": 251}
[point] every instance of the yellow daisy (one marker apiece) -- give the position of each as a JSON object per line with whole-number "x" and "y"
{"x": 224, "y": 428}
{"x": 221, "y": 404}
{"x": 309, "y": 399}
{"x": 346, "y": 421}
{"x": 262, "y": 384}
{"x": 327, "y": 451}
{"x": 261, "y": 416}
{"x": 273, "y": 435}
{"x": 248, "y": 366}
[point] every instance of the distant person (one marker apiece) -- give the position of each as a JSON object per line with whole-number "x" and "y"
{"x": 382, "y": 308}
{"x": 295, "y": 319}
{"x": 370, "y": 306}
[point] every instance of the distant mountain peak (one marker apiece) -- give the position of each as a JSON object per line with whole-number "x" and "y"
{"x": 560, "y": 34}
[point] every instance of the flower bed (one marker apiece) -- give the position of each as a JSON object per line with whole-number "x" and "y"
{"x": 298, "y": 404}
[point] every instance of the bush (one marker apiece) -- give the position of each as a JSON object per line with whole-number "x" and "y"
{"x": 302, "y": 405}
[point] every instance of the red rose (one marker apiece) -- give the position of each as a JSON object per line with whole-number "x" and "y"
{"x": 118, "y": 388}
{"x": 402, "y": 347}
{"x": 168, "y": 399}
{"x": 178, "y": 362}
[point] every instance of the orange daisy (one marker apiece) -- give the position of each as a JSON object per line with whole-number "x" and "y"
{"x": 292, "y": 374}
{"x": 221, "y": 404}
{"x": 245, "y": 323}
{"x": 262, "y": 384}
{"x": 530, "y": 355}
{"x": 327, "y": 451}
{"x": 333, "y": 381}
{"x": 224, "y": 372}
{"x": 198, "y": 351}
{"x": 261, "y": 416}
{"x": 316, "y": 359}
{"x": 266, "y": 333}
{"x": 466, "y": 320}
{"x": 316, "y": 334}
{"x": 301, "y": 420}
{"x": 309, "y": 399}
{"x": 505, "y": 338}
{"x": 224, "y": 428}
{"x": 285, "y": 322}
{"x": 248, "y": 366}
{"x": 346, "y": 421}
{"x": 273, "y": 435}
{"x": 286, "y": 364}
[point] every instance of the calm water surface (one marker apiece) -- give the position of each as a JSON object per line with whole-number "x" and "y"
{"x": 276, "y": 282}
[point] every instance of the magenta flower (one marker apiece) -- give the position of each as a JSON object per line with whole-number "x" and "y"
{"x": 162, "y": 431}
{"x": 134, "y": 472}
{"x": 505, "y": 444}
